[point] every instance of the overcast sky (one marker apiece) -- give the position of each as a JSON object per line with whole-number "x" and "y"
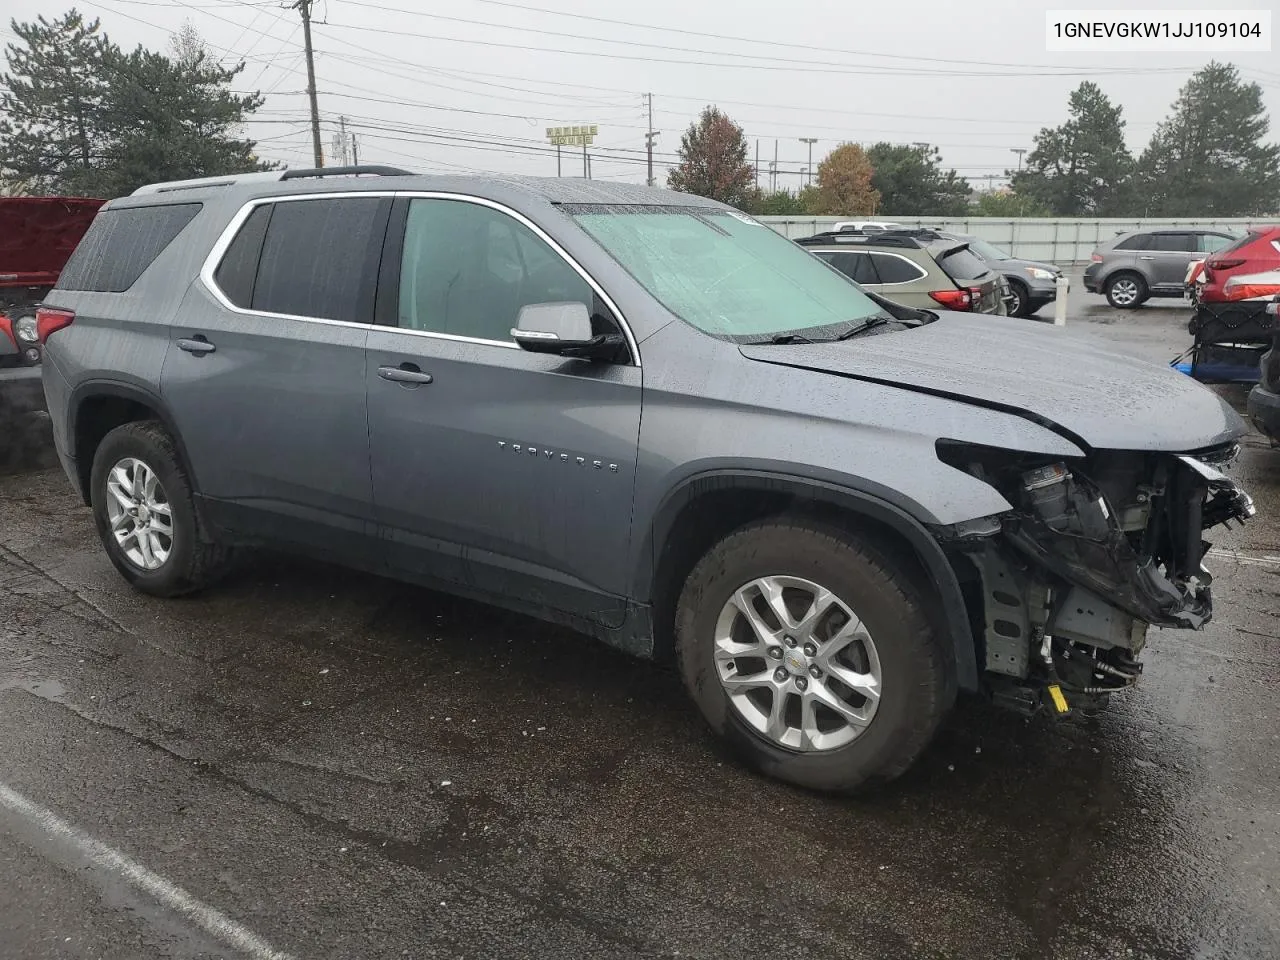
{"x": 472, "y": 84}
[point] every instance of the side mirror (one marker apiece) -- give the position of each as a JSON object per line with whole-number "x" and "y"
{"x": 564, "y": 329}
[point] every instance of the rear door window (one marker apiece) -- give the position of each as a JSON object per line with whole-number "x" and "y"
{"x": 320, "y": 258}
{"x": 238, "y": 270}
{"x": 895, "y": 269}
{"x": 962, "y": 265}
{"x": 856, "y": 266}
{"x": 1213, "y": 242}
{"x": 1173, "y": 242}
{"x": 121, "y": 244}
{"x": 1139, "y": 241}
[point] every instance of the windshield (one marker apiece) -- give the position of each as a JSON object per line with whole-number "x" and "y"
{"x": 725, "y": 273}
{"x": 987, "y": 251}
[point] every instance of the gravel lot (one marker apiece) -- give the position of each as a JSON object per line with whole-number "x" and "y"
{"x": 314, "y": 763}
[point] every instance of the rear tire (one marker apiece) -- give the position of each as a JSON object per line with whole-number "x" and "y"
{"x": 1126, "y": 290}
{"x": 139, "y": 490}
{"x": 900, "y": 646}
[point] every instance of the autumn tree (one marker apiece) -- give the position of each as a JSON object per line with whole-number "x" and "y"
{"x": 713, "y": 160}
{"x": 1210, "y": 158}
{"x": 912, "y": 183}
{"x": 844, "y": 183}
{"x": 1082, "y": 167}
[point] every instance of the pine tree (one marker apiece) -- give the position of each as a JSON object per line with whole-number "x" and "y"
{"x": 1209, "y": 157}
{"x": 1081, "y": 168}
{"x": 52, "y": 131}
{"x": 173, "y": 119}
{"x": 912, "y": 183}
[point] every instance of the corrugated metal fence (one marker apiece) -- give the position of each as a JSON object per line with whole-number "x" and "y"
{"x": 1054, "y": 240}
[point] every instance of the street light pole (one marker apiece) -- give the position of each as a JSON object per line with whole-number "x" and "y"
{"x": 810, "y": 141}
{"x": 1019, "y": 151}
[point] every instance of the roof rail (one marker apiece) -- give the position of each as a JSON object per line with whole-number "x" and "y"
{"x": 918, "y": 233}
{"x": 882, "y": 239}
{"x": 269, "y": 176}
{"x": 230, "y": 180}
{"x": 363, "y": 169}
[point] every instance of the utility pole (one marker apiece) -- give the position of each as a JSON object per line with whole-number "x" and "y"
{"x": 810, "y": 141}
{"x": 586, "y": 174}
{"x": 1019, "y": 151}
{"x": 650, "y": 135}
{"x": 774, "y": 168}
{"x": 757, "y": 163}
{"x": 342, "y": 139}
{"x": 355, "y": 152}
{"x": 304, "y": 7}
{"x": 557, "y": 159}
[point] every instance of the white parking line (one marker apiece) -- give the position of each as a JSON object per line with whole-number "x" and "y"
{"x": 1240, "y": 556}
{"x": 174, "y": 897}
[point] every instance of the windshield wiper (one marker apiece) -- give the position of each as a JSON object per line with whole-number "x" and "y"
{"x": 877, "y": 321}
{"x": 782, "y": 339}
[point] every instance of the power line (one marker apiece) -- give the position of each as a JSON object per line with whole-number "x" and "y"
{"x": 1035, "y": 70}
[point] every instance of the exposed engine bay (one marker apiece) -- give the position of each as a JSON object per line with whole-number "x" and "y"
{"x": 1063, "y": 588}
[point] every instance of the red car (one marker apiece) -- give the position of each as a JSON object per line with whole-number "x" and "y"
{"x": 1249, "y": 269}
{"x": 37, "y": 236}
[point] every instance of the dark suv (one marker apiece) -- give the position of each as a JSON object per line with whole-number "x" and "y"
{"x": 650, "y": 417}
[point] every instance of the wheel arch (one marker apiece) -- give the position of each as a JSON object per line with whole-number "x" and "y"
{"x": 704, "y": 508}
{"x": 97, "y": 407}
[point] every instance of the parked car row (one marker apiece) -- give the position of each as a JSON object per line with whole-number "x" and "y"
{"x": 931, "y": 268}
{"x": 833, "y": 509}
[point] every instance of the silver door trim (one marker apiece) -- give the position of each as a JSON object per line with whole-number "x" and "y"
{"x": 219, "y": 249}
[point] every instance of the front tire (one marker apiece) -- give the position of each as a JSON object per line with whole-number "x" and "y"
{"x": 1021, "y": 301}
{"x": 809, "y": 652}
{"x": 146, "y": 516}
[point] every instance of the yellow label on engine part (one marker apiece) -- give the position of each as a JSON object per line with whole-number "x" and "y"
{"x": 1059, "y": 701}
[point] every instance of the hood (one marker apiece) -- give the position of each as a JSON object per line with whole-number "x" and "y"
{"x": 1017, "y": 265}
{"x": 1077, "y": 387}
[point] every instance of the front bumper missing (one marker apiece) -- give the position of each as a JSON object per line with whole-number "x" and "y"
{"x": 1166, "y": 589}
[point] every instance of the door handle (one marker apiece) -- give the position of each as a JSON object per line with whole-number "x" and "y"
{"x": 405, "y": 373}
{"x": 1146, "y": 258}
{"x": 197, "y": 345}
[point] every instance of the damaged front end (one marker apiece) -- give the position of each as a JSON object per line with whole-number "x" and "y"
{"x": 1063, "y": 587}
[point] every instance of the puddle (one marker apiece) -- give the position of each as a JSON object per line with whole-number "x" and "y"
{"x": 44, "y": 689}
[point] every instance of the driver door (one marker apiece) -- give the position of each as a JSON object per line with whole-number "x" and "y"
{"x": 493, "y": 468}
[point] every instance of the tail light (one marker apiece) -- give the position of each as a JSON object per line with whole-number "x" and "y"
{"x": 1096, "y": 258}
{"x": 1225, "y": 264}
{"x": 953, "y": 299}
{"x": 49, "y": 320}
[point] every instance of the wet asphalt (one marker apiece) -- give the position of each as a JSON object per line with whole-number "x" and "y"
{"x": 348, "y": 767}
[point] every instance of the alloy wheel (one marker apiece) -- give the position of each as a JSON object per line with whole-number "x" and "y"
{"x": 797, "y": 664}
{"x": 1124, "y": 292}
{"x": 139, "y": 514}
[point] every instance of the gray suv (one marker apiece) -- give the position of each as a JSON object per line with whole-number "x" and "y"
{"x": 1136, "y": 266}
{"x": 647, "y": 416}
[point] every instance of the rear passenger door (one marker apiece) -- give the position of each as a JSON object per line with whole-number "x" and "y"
{"x": 495, "y": 468}
{"x": 265, "y": 372}
{"x": 854, "y": 264}
{"x": 1169, "y": 256}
